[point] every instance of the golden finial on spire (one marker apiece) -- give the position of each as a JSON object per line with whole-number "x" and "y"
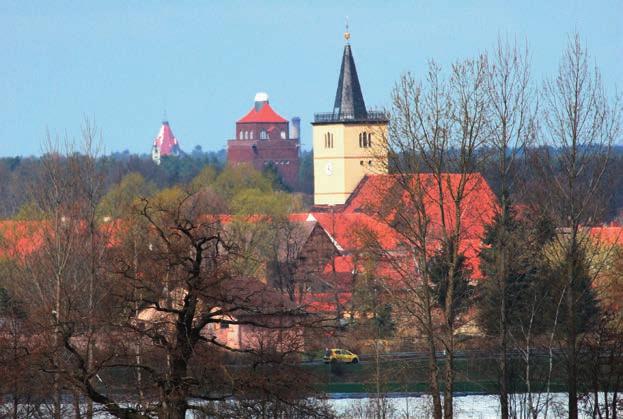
{"x": 347, "y": 33}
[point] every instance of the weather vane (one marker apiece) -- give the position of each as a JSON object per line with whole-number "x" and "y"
{"x": 347, "y": 33}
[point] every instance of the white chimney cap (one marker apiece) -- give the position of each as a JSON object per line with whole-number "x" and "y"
{"x": 261, "y": 97}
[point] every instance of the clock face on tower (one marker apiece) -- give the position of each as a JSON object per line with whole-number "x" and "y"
{"x": 328, "y": 169}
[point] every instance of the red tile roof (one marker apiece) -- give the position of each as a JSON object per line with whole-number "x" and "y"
{"x": 353, "y": 230}
{"x": 608, "y": 234}
{"x": 379, "y": 195}
{"x": 326, "y": 302}
{"x": 369, "y": 216}
{"x": 19, "y": 239}
{"x": 265, "y": 114}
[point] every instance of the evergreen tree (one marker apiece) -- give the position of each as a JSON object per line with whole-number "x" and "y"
{"x": 509, "y": 269}
{"x": 439, "y": 272}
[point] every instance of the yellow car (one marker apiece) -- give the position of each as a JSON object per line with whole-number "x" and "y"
{"x": 340, "y": 355}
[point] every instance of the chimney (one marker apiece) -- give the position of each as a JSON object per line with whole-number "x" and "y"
{"x": 295, "y": 128}
{"x": 261, "y": 98}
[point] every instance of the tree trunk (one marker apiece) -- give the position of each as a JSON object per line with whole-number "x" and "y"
{"x": 449, "y": 383}
{"x": 433, "y": 368}
{"x": 503, "y": 343}
{"x": 76, "y": 403}
{"x": 572, "y": 379}
{"x": 449, "y": 314}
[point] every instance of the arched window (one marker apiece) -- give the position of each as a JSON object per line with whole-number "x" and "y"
{"x": 246, "y": 135}
{"x": 328, "y": 140}
{"x": 241, "y": 135}
{"x": 251, "y": 135}
{"x": 365, "y": 140}
{"x": 263, "y": 135}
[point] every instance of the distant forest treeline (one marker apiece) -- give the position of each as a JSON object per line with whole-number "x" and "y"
{"x": 17, "y": 174}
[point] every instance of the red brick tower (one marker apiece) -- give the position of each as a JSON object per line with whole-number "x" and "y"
{"x": 264, "y": 138}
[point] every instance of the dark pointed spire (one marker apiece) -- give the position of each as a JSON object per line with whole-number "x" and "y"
{"x": 349, "y": 102}
{"x": 349, "y": 105}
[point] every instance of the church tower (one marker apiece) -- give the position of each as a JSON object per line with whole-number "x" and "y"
{"x": 349, "y": 142}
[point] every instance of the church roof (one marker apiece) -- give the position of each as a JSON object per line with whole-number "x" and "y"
{"x": 264, "y": 114}
{"x": 380, "y": 196}
{"x": 165, "y": 141}
{"x": 349, "y": 103}
{"x": 349, "y": 106}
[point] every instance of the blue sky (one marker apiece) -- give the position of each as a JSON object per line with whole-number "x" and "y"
{"x": 122, "y": 63}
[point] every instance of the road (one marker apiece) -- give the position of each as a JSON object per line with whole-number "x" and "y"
{"x": 458, "y": 355}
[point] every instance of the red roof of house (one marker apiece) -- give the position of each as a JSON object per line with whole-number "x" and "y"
{"x": 19, "y": 239}
{"x": 608, "y": 234}
{"x": 326, "y": 302}
{"x": 265, "y": 114}
{"x": 379, "y": 195}
{"x": 353, "y": 230}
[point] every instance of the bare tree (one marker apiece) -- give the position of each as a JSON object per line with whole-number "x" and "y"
{"x": 581, "y": 123}
{"x": 511, "y": 120}
{"x": 436, "y": 132}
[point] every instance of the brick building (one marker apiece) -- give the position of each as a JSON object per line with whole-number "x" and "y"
{"x": 264, "y": 138}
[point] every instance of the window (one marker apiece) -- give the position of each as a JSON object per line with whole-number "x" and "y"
{"x": 365, "y": 140}
{"x": 361, "y": 162}
{"x": 328, "y": 140}
{"x": 283, "y": 135}
{"x": 224, "y": 325}
{"x": 246, "y": 135}
{"x": 369, "y": 162}
{"x": 241, "y": 135}
{"x": 251, "y": 135}
{"x": 263, "y": 135}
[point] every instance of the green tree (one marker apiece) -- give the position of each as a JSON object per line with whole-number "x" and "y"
{"x": 236, "y": 178}
{"x": 205, "y": 178}
{"x": 509, "y": 264}
{"x": 29, "y": 211}
{"x": 306, "y": 172}
{"x": 120, "y": 199}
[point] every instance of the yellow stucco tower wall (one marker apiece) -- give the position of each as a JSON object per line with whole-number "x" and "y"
{"x": 341, "y": 160}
